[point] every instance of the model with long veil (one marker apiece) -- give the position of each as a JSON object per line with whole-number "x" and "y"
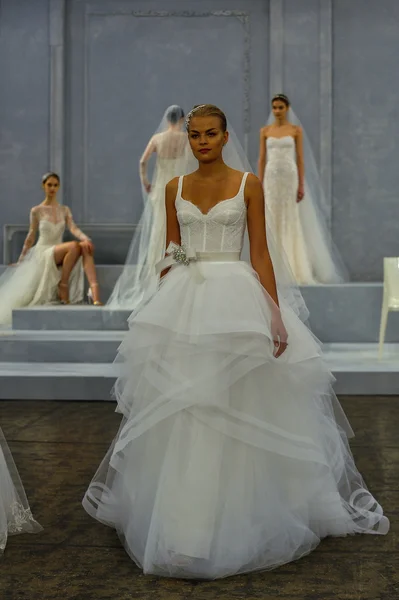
{"x": 295, "y": 198}
{"x": 15, "y": 515}
{"x": 169, "y": 144}
{"x": 232, "y": 455}
{"x": 50, "y": 270}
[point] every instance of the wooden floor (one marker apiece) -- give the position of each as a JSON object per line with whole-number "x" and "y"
{"x": 57, "y": 447}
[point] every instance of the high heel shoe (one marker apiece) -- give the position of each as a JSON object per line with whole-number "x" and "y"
{"x": 90, "y": 296}
{"x": 65, "y": 299}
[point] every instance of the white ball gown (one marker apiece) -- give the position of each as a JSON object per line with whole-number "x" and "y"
{"x": 296, "y": 225}
{"x": 15, "y": 514}
{"x": 227, "y": 460}
{"x": 34, "y": 280}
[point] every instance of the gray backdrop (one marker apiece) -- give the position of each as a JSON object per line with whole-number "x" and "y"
{"x": 84, "y": 83}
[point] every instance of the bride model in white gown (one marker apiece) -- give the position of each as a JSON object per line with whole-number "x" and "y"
{"x": 15, "y": 514}
{"x": 295, "y": 199}
{"x": 50, "y": 270}
{"x": 170, "y": 146}
{"x": 232, "y": 454}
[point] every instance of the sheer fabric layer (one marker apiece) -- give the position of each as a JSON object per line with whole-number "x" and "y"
{"x": 34, "y": 281}
{"x": 227, "y": 460}
{"x": 15, "y": 514}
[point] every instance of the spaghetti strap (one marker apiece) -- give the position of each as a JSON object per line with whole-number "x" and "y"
{"x": 243, "y": 181}
{"x": 180, "y": 186}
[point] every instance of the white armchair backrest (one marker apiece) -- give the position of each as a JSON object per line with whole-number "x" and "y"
{"x": 391, "y": 279}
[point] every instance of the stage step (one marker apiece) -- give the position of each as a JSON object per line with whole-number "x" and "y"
{"x": 56, "y": 381}
{"x": 347, "y": 313}
{"x": 359, "y": 371}
{"x": 76, "y": 318}
{"x": 355, "y": 366}
{"x": 59, "y": 346}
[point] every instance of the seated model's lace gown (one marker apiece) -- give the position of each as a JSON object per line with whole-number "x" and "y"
{"x": 228, "y": 460}
{"x": 34, "y": 280}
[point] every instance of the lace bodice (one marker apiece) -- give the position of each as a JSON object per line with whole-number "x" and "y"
{"x": 50, "y": 223}
{"x": 281, "y": 149}
{"x": 220, "y": 230}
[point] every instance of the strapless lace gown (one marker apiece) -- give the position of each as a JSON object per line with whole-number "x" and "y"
{"x": 227, "y": 460}
{"x": 295, "y": 225}
{"x": 34, "y": 281}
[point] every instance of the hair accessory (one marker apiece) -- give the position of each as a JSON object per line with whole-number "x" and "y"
{"x": 280, "y": 96}
{"x": 192, "y": 111}
{"x": 46, "y": 176}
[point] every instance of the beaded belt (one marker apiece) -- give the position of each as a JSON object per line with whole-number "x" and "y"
{"x": 190, "y": 258}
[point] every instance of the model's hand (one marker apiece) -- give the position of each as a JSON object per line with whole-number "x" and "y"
{"x": 88, "y": 245}
{"x": 301, "y": 193}
{"x": 147, "y": 186}
{"x": 280, "y": 335}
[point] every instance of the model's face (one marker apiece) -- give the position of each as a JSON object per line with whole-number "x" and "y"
{"x": 206, "y": 138}
{"x": 51, "y": 186}
{"x": 279, "y": 109}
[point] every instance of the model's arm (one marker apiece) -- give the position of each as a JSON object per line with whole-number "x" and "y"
{"x": 73, "y": 228}
{"x": 172, "y": 223}
{"x": 151, "y": 148}
{"x": 259, "y": 252}
{"x": 300, "y": 163}
{"x": 262, "y": 154}
{"x": 31, "y": 237}
{"x": 260, "y": 257}
{"x": 78, "y": 233}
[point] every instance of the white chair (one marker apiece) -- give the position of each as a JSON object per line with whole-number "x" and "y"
{"x": 390, "y": 300}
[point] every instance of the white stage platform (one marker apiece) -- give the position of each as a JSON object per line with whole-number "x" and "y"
{"x": 66, "y": 352}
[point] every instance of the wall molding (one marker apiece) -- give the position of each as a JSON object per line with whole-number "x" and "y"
{"x": 93, "y": 10}
{"x": 276, "y": 82}
{"x": 57, "y": 88}
{"x": 326, "y": 108}
{"x": 276, "y": 49}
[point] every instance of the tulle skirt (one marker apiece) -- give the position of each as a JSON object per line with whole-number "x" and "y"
{"x": 34, "y": 282}
{"x": 227, "y": 460}
{"x": 15, "y": 514}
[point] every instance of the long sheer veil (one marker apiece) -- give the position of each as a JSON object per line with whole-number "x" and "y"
{"x": 138, "y": 281}
{"x": 314, "y": 213}
{"x": 287, "y": 287}
{"x": 138, "y": 275}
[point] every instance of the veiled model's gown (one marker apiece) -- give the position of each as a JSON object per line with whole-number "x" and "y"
{"x": 228, "y": 460}
{"x": 295, "y": 225}
{"x": 170, "y": 147}
{"x": 15, "y": 514}
{"x": 138, "y": 279}
{"x": 34, "y": 281}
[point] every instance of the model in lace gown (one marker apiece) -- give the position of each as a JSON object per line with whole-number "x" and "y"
{"x": 169, "y": 145}
{"x": 232, "y": 455}
{"x": 298, "y": 227}
{"x": 50, "y": 270}
{"x": 15, "y": 514}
